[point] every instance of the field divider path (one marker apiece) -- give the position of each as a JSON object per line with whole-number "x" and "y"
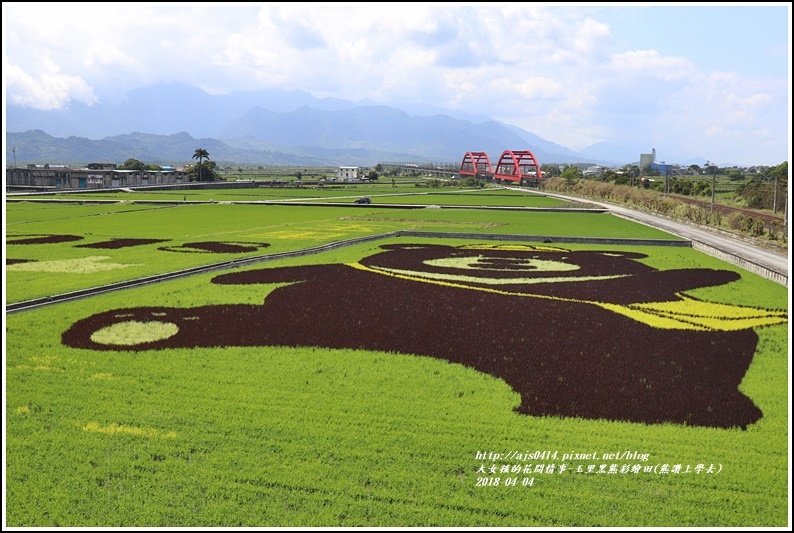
{"x": 430, "y": 206}
{"x": 235, "y": 263}
{"x": 307, "y": 199}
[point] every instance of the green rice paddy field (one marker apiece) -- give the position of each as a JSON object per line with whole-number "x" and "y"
{"x": 286, "y": 436}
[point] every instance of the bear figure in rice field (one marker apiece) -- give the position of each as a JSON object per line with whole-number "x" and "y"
{"x": 588, "y": 334}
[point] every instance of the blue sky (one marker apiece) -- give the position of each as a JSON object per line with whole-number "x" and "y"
{"x": 749, "y": 40}
{"x": 709, "y": 81}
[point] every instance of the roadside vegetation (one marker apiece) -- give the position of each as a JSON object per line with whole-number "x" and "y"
{"x": 747, "y": 210}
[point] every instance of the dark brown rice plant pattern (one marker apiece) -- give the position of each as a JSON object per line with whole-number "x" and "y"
{"x": 216, "y": 247}
{"x": 41, "y": 239}
{"x": 114, "y": 244}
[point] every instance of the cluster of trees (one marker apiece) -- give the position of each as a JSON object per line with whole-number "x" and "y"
{"x": 733, "y": 174}
{"x": 768, "y": 190}
{"x": 203, "y": 170}
{"x": 689, "y": 187}
{"x": 135, "y": 164}
{"x": 375, "y": 173}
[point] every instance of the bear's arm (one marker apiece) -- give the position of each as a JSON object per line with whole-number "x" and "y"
{"x": 278, "y": 275}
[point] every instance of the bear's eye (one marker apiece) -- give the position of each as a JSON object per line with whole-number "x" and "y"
{"x": 500, "y": 263}
{"x": 542, "y": 265}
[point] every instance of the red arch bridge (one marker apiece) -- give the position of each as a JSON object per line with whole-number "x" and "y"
{"x": 517, "y": 167}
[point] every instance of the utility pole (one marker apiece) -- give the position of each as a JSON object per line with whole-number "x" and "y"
{"x": 774, "y": 196}
{"x": 14, "y": 150}
{"x": 713, "y": 182}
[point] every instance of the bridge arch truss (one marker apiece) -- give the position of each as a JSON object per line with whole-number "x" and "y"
{"x": 518, "y": 167}
{"x": 476, "y": 164}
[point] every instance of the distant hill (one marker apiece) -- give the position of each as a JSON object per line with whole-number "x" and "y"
{"x": 383, "y": 128}
{"x": 161, "y": 109}
{"x": 36, "y": 146}
{"x": 268, "y": 126}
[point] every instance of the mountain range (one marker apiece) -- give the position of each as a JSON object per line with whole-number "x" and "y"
{"x": 269, "y": 127}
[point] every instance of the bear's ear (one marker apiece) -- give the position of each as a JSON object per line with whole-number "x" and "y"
{"x": 627, "y": 255}
{"x": 413, "y": 246}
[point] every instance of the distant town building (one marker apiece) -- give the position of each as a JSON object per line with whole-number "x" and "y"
{"x": 662, "y": 168}
{"x": 349, "y": 173}
{"x": 647, "y": 159}
{"x": 593, "y": 172}
{"x": 102, "y": 176}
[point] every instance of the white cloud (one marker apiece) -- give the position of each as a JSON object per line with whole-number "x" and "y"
{"x": 652, "y": 63}
{"x": 100, "y": 56}
{"x": 753, "y": 100}
{"x": 592, "y": 38}
{"x": 527, "y": 88}
{"x": 47, "y": 90}
{"x": 554, "y": 70}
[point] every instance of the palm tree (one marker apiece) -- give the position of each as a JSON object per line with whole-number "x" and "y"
{"x": 201, "y": 154}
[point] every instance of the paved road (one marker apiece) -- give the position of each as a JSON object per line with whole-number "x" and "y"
{"x": 765, "y": 258}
